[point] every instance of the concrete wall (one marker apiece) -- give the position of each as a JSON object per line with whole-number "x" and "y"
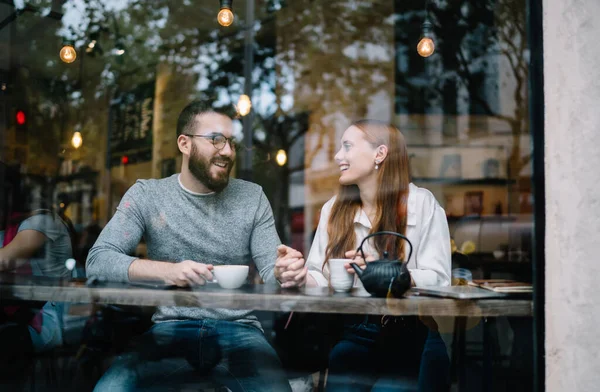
{"x": 572, "y": 153}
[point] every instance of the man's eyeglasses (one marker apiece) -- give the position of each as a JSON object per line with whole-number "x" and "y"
{"x": 217, "y": 140}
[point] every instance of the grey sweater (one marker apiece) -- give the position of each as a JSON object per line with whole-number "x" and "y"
{"x": 235, "y": 226}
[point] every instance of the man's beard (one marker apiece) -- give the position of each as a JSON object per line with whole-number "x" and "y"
{"x": 200, "y": 168}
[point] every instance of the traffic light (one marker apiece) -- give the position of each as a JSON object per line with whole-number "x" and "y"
{"x": 21, "y": 121}
{"x": 21, "y": 118}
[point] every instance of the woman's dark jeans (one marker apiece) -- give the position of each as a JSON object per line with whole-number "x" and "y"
{"x": 406, "y": 357}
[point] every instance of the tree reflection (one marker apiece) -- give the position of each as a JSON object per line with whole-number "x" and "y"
{"x": 480, "y": 69}
{"x": 317, "y": 64}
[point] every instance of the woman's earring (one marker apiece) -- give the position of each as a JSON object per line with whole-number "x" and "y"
{"x": 376, "y": 165}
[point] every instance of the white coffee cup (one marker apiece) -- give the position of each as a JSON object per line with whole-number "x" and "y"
{"x": 340, "y": 279}
{"x": 230, "y": 276}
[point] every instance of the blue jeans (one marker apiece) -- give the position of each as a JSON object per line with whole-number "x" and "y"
{"x": 358, "y": 363}
{"x": 52, "y": 326}
{"x": 177, "y": 353}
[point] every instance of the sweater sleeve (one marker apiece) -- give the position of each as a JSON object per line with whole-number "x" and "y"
{"x": 264, "y": 240}
{"x": 110, "y": 257}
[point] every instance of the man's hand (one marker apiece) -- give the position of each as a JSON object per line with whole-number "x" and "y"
{"x": 189, "y": 273}
{"x": 356, "y": 258}
{"x": 289, "y": 267}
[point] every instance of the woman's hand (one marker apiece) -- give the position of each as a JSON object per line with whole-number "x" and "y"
{"x": 290, "y": 270}
{"x": 357, "y": 258}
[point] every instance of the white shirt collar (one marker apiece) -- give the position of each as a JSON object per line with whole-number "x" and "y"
{"x": 362, "y": 218}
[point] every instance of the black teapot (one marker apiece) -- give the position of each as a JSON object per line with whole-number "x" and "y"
{"x": 384, "y": 276}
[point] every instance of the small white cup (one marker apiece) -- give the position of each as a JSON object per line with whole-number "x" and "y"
{"x": 340, "y": 279}
{"x": 230, "y": 276}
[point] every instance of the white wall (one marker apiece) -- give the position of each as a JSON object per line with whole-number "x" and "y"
{"x": 572, "y": 153}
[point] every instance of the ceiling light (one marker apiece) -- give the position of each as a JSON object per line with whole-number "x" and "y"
{"x": 68, "y": 54}
{"x": 225, "y": 16}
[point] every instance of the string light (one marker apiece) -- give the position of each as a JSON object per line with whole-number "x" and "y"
{"x": 119, "y": 48}
{"x": 225, "y": 16}
{"x": 281, "y": 157}
{"x": 68, "y": 54}
{"x": 93, "y": 45}
{"x": 426, "y": 46}
{"x": 244, "y": 105}
{"x": 77, "y": 140}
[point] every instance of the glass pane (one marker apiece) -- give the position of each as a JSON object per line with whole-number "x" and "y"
{"x": 91, "y": 101}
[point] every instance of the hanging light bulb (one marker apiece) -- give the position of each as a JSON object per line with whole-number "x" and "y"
{"x": 119, "y": 49}
{"x": 281, "y": 157}
{"x": 244, "y": 105}
{"x": 225, "y": 16}
{"x": 426, "y": 46}
{"x": 68, "y": 53}
{"x": 77, "y": 140}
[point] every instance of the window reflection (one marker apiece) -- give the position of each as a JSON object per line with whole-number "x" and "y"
{"x": 78, "y": 135}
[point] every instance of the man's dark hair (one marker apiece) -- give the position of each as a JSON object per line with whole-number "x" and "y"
{"x": 187, "y": 117}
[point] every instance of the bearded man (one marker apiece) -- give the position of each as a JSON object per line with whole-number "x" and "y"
{"x": 191, "y": 222}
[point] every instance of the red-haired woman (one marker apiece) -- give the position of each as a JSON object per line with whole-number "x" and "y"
{"x": 376, "y": 195}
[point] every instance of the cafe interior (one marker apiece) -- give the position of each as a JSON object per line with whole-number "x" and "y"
{"x": 91, "y": 91}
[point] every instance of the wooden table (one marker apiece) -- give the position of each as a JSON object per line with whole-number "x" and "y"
{"x": 272, "y": 298}
{"x": 256, "y": 297}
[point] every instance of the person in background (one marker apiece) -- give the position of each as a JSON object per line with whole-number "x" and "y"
{"x": 33, "y": 242}
{"x": 191, "y": 222}
{"x": 376, "y": 194}
{"x": 87, "y": 239}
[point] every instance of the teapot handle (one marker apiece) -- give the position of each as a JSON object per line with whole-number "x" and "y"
{"x": 360, "y": 248}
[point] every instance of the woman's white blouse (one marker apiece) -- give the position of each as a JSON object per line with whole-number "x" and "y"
{"x": 427, "y": 230}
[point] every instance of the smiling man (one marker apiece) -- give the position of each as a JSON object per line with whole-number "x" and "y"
{"x": 192, "y": 221}
{"x": 210, "y": 167}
